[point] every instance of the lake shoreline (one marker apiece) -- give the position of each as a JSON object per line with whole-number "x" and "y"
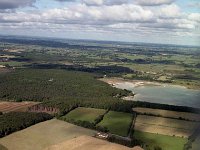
{"x": 114, "y": 81}
{"x": 156, "y": 92}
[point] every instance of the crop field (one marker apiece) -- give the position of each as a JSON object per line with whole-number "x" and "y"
{"x": 167, "y": 113}
{"x": 165, "y": 126}
{"x": 163, "y": 141}
{"x": 89, "y": 143}
{"x": 117, "y": 122}
{"x": 15, "y": 106}
{"x": 84, "y": 114}
{"x": 43, "y": 135}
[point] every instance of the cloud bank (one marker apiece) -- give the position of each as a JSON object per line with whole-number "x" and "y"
{"x": 162, "y": 18}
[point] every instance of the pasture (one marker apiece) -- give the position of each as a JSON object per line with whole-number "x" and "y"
{"x": 165, "y": 126}
{"x": 163, "y": 141}
{"x": 167, "y": 113}
{"x": 117, "y": 122}
{"x": 6, "y": 107}
{"x": 43, "y": 135}
{"x": 84, "y": 114}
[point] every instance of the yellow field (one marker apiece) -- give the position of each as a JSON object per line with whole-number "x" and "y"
{"x": 168, "y": 113}
{"x": 165, "y": 126}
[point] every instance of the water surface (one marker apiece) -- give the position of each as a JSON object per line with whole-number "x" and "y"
{"x": 164, "y": 93}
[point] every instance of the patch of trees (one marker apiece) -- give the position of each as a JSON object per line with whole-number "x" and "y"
{"x": 198, "y": 65}
{"x": 20, "y": 59}
{"x": 192, "y": 138}
{"x": 124, "y": 141}
{"x": 186, "y": 77}
{"x": 110, "y": 70}
{"x": 166, "y": 107}
{"x": 85, "y": 124}
{"x": 15, "y": 121}
{"x": 144, "y": 61}
{"x": 41, "y": 108}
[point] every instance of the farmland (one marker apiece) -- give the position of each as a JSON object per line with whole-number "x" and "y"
{"x": 167, "y": 113}
{"x": 163, "y": 141}
{"x": 84, "y": 114}
{"x": 89, "y": 143}
{"x": 43, "y": 135}
{"x": 67, "y": 76}
{"x": 15, "y": 106}
{"x": 117, "y": 122}
{"x": 165, "y": 126}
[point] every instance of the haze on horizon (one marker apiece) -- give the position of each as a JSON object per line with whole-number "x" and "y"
{"x": 152, "y": 21}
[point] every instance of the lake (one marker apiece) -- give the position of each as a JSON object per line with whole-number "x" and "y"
{"x": 163, "y": 93}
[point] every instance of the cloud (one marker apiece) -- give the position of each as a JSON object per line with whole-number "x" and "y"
{"x": 194, "y": 5}
{"x": 153, "y": 2}
{"x": 12, "y": 4}
{"x": 65, "y": 0}
{"x": 126, "y": 18}
{"x": 105, "y": 2}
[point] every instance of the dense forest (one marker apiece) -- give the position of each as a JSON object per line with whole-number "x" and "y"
{"x": 66, "y": 90}
{"x": 61, "y": 89}
{"x": 15, "y": 121}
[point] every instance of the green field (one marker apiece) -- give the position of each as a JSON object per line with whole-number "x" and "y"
{"x": 84, "y": 114}
{"x": 163, "y": 141}
{"x": 117, "y": 122}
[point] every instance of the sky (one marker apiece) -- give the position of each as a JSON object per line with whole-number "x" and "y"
{"x": 150, "y": 21}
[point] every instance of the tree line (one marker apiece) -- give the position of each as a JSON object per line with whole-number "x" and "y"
{"x": 15, "y": 121}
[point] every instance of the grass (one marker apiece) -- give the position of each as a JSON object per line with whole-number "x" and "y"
{"x": 13, "y": 63}
{"x": 117, "y": 122}
{"x": 163, "y": 141}
{"x": 43, "y": 135}
{"x": 84, "y": 114}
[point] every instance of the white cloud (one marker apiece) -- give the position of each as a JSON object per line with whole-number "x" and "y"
{"x": 105, "y": 18}
{"x": 105, "y": 2}
{"x": 154, "y": 2}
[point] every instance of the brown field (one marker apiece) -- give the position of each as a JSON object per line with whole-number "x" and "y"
{"x": 89, "y": 143}
{"x": 3, "y": 69}
{"x": 165, "y": 126}
{"x": 167, "y": 113}
{"x": 44, "y": 135}
{"x": 6, "y": 107}
{"x": 57, "y": 135}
